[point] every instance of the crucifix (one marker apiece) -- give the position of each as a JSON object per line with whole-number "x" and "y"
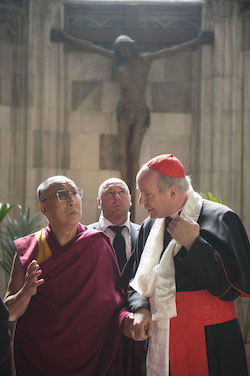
{"x": 133, "y": 114}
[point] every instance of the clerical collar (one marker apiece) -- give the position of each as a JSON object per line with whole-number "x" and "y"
{"x": 175, "y": 215}
{"x": 106, "y": 223}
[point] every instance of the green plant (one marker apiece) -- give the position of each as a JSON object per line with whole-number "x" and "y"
{"x": 11, "y": 228}
{"x": 212, "y": 198}
{"x": 4, "y": 209}
{"x": 14, "y": 227}
{"x": 243, "y": 308}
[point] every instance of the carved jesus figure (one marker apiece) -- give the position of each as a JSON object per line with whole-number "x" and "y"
{"x": 133, "y": 115}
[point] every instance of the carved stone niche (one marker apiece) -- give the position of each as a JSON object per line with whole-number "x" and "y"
{"x": 164, "y": 24}
{"x": 170, "y": 19}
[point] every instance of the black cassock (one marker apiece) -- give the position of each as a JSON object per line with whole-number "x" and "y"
{"x": 219, "y": 262}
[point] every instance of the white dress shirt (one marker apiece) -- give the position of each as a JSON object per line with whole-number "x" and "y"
{"x": 105, "y": 223}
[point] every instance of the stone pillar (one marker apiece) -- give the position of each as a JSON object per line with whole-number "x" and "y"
{"x": 246, "y": 125}
{"x": 13, "y": 102}
{"x": 201, "y": 143}
{"x": 221, "y": 122}
{"x": 47, "y": 147}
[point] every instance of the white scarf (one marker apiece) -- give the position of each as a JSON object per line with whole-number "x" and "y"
{"x": 155, "y": 279}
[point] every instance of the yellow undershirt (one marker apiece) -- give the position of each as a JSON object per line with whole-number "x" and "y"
{"x": 43, "y": 252}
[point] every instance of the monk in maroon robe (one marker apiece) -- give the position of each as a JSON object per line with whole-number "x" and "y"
{"x": 62, "y": 291}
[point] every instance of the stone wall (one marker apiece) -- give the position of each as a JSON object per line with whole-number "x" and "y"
{"x": 59, "y": 111}
{"x": 58, "y": 108}
{"x": 224, "y": 113}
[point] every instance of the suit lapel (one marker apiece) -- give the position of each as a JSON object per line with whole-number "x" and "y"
{"x": 134, "y": 234}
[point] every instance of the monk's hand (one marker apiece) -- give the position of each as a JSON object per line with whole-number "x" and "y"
{"x": 184, "y": 231}
{"x": 126, "y": 325}
{"x": 32, "y": 280}
{"x": 142, "y": 326}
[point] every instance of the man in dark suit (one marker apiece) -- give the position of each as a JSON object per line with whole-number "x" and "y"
{"x": 114, "y": 200}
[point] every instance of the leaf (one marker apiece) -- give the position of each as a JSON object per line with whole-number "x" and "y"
{"x": 4, "y": 209}
{"x": 212, "y": 198}
{"x": 203, "y": 195}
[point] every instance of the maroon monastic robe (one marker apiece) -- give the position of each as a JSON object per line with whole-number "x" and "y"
{"x": 72, "y": 325}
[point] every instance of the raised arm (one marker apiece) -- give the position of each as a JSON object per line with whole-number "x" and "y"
{"x": 21, "y": 287}
{"x": 61, "y": 36}
{"x": 204, "y": 37}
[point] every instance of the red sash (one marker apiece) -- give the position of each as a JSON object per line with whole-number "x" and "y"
{"x": 195, "y": 310}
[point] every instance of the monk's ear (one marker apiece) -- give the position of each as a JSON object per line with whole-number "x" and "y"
{"x": 43, "y": 208}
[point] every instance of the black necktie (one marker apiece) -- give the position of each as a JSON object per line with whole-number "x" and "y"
{"x": 167, "y": 236}
{"x": 119, "y": 246}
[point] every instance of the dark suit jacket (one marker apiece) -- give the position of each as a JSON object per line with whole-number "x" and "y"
{"x": 127, "y": 272}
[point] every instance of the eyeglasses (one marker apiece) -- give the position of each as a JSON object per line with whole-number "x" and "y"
{"x": 63, "y": 194}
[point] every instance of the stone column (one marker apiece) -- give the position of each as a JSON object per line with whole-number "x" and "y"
{"x": 221, "y": 123}
{"x": 47, "y": 152}
{"x": 201, "y": 142}
{"x": 13, "y": 100}
{"x": 246, "y": 125}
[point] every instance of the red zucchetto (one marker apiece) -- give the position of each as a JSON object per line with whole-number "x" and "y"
{"x": 167, "y": 164}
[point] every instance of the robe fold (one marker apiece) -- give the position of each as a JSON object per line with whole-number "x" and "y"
{"x": 72, "y": 325}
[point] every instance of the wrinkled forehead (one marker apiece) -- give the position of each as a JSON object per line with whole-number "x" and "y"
{"x": 114, "y": 186}
{"x": 56, "y": 185}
